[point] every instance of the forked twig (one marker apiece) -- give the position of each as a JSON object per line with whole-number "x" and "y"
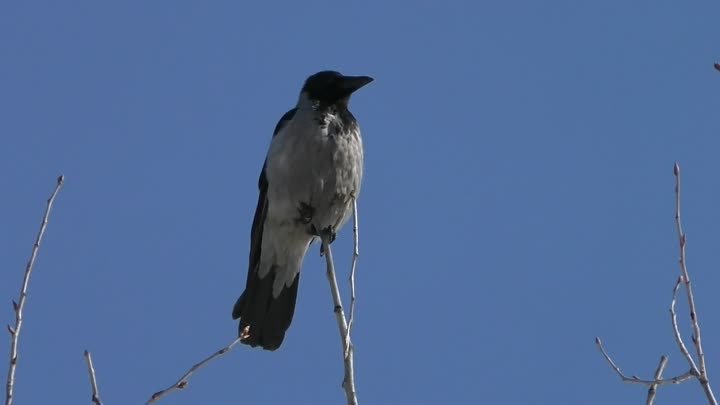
{"x": 636, "y": 380}
{"x": 343, "y": 325}
{"x": 19, "y": 305}
{"x": 183, "y": 381}
{"x": 349, "y": 378}
{"x": 697, "y": 368}
{"x": 697, "y": 336}
{"x": 93, "y": 381}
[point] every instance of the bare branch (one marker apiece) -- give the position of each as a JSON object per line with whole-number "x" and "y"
{"x": 93, "y": 381}
{"x": 652, "y": 391}
{"x": 349, "y": 379}
{"x": 19, "y": 305}
{"x": 685, "y": 275}
{"x": 356, "y": 253}
{"x": 697, "y": 370}
{"x": 697, "y": 336}
{"x": 636, "y": 380}
{"x": 676, "y": 330}
{"x": 183, "y": 381}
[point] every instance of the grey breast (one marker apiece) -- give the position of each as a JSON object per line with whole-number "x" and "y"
{"x": 344, "y": 160}
{"x": 320, "y": 161}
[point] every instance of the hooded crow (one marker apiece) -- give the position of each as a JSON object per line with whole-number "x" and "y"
{"x": 312, "y": 173}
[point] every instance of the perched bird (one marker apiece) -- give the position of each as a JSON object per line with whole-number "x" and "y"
{"x": 311, "y": 174}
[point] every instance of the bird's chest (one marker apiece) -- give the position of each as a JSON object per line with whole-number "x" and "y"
{"x": 316, "y": 159}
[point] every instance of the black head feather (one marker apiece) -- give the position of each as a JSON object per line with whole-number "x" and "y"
{"x": 329, "y": 86}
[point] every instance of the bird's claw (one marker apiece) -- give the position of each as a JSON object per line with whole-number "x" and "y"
{"x": 328, "y": 233}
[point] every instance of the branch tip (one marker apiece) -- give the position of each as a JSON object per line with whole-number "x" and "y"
{"x": 183, "y": 381}
{"x": 20, "y": 304}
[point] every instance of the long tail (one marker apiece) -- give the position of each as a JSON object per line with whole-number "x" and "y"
{"x": 264, "y": 318}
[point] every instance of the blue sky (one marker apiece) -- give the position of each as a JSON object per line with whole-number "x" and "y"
{"x": 517, "y": 199}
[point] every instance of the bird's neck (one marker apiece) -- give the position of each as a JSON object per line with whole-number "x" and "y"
{"x": 320, "y": 107}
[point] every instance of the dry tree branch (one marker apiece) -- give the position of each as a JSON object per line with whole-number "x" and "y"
{"x": 676, "y": 330}
{"x": 20, "y": 304}
{"x": 349, "y": 378}
{"x": 344, "y": 326}
{"x": 93, "y": 381}
{"x": 636, "y": 380}
{"x": 356, "y": 253}
{"x": 183, "y": 381}
{"x": 652, "y": 391}
{"x": 697, "y": 370}
{"x": 697, "y": 337}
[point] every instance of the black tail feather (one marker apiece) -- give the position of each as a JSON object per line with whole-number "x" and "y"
{"x": 268, "y": 317}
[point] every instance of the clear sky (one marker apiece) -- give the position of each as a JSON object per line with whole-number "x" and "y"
{"x": 517, "y": 199}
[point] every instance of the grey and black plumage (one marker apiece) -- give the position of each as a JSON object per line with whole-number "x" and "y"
{"x": 312, "y": 171}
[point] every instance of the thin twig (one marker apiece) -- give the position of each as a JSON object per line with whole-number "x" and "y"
{"x": 684, "y": 272}
{"x": 349, "y": 379}
{"x": 652, "y": 391}
{"x": 635, "y": 380}
{"x": 20, "y": 304}
{"x": 93, "y": 381}
{"x": 697, "y": 337}
{"x": 356, "y": 253}
{"x": 183, "y": 381}
{"x": 676, "y": 329}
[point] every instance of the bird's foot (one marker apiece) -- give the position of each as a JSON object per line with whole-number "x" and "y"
{"x": 329, "y": 234}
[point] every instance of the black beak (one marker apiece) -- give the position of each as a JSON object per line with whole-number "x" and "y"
{"x": 353, "y": 83}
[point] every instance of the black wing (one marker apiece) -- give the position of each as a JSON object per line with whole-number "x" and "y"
{"x": 262, "y": 205}
{"x": 257, "y": 227}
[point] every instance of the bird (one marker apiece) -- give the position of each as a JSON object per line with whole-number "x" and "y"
{"x": 308, "y": 184}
